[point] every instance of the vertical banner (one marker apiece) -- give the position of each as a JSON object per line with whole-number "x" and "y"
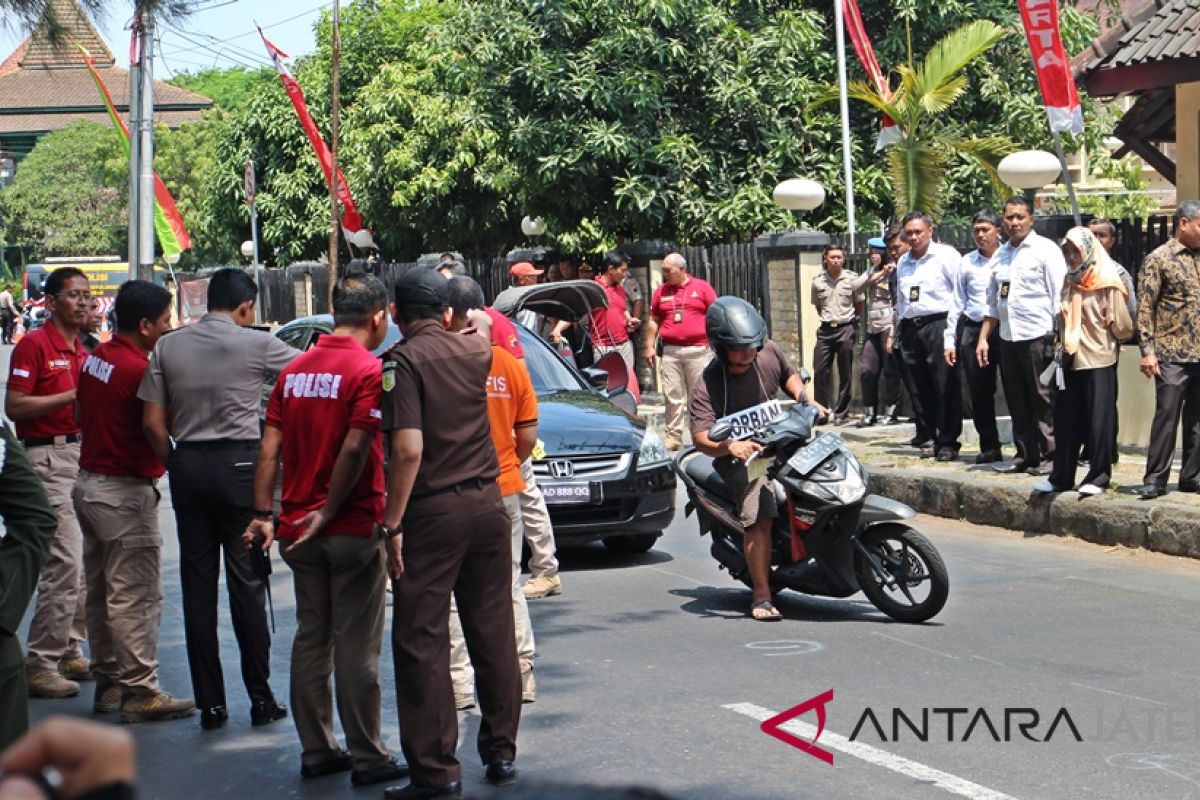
{"x": 888, "y": 133}
{"x": 1040, "y": 18}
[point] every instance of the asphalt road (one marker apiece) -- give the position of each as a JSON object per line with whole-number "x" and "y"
{"x": 650, "y": 673}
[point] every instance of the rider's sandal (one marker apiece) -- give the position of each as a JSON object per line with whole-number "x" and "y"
{"x": 772, "y": 614}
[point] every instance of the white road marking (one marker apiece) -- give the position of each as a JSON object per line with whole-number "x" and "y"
{"x": 676, "y": 575}
{"x": 1122, "y": 694}
{"x": 873, "y": 755}
{"x": 911, "y": 644}
{"x": 989, "y": 661}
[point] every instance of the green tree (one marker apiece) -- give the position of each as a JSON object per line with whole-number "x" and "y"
{"x": 229, "y": 89}
{"x": 70, "y": 195}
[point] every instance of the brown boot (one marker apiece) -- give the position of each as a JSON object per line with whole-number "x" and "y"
{"x": 76, "y": 668}
{"x": 107, "y": 698}
{"x": 155, "y": 707}
{"x": 50, "y": 683}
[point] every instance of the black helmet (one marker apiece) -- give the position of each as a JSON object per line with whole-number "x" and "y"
{"x": 732, "y": 322}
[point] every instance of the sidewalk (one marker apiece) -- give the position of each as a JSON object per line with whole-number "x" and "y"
{"x": 963, "y": 491}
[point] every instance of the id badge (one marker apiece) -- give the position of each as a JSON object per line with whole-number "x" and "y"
{"x": 677, "y": 317}
{"x": 1004, "y": 289}
{"x": 914, "y": 294}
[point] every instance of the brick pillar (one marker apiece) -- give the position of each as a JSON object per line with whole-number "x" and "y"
{"x": 792, "y": 260}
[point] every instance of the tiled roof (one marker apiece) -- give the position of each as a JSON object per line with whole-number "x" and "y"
{"x": 13, "y": 62}
{"x": 43, "y": 123}
{"x": 1156, "y": 31}
{"x": 75, "y": 28}
{"x": 48, "y": 89}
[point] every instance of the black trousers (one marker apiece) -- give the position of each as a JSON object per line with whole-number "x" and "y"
{"x": 1176, "y": 393}
{"x": 874, "y": 362}
{"x": 460, "y": 542}
{"x": 980, "y": 383}
{"x": 933, "y": 381}
{"x": 1029, "y": 402}
{"x": 212, "y": 490}
{"x": 7, "y": 323}
{"x": 835, "y": 346}
{"x": 1083, "y": 415}
{"x": 29, "y": 524}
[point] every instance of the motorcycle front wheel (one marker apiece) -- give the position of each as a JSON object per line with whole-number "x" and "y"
{"x": 904, "y": 576}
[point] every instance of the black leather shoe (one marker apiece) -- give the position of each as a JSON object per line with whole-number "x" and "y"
{"x": 989, "y": 457}
{"x": 1189, "y": 486}
{"x": 501, "y": 773}
{"x": 1010, "y": 468}
{"x": 866, "y": 422}
{"x": 264, "y": 712}
{"x": 391, "y": 771}
{"x": 917, "y": 441}
{"x": 947, "y": 455}
{"x": 1045, "y": 468}
{"x": 213, "y": 718}
{"x": 1150, "y": 491}
{"x": 928, "y": 450}
{"x": 414, "y": 790}
{"x": 338, "y": 763}
{"x": 841, "y": 420}
{"x": 890, "y": 419}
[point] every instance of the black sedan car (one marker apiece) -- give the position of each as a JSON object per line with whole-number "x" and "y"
{"x": 605, "y": 474}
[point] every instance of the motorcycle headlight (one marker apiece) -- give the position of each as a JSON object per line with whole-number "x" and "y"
{"x": 653, "y": 451}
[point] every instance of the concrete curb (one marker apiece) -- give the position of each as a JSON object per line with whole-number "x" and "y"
{"x": 1158, "y": 526}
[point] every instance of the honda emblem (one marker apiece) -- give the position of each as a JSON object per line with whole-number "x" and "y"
{"x": 562, "y": 469}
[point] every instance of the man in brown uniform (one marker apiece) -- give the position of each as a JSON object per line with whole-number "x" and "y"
{"x": 833, "y": 295}
{"x": 447, "y": 533}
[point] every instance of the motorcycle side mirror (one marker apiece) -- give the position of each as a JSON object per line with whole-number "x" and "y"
{"x": 720, "y": 431}
{"x": 596, "y": 378}
{"x": 805, "y": 375}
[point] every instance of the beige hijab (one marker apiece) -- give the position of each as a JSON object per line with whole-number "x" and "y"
{"x": 1097, "y": 273}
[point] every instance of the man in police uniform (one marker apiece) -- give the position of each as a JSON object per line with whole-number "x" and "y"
{"x": 833, "y": 296}
{"x": 204, "y": 389}
{"x": 29, "y": 525}
{"x": 447, "y": 532}
{"x": 43, "y": 375}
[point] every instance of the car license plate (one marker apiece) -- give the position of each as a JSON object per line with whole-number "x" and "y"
{"x": 809, "y": 457}
{"x": 567, "y": 493}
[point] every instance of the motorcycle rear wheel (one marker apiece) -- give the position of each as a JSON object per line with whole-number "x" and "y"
{"x": 916, "y": 583}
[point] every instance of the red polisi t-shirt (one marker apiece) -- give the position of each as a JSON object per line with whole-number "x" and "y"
{"x": 43, "y": 364}
{"x": 607, "y": 325}
{"x": 319, "y": 397}
{"x": 680, "y": 311}
{"x": 111, "y": 413}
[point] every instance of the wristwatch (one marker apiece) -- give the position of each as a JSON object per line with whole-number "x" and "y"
{"x": 388, "y": 533}
{"x": 264, "y": 513}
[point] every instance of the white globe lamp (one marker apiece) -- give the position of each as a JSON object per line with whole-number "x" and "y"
{"x": 1029, "y": 169}
{"x": 248, "y": 249}
{"x": 533, "y": 226}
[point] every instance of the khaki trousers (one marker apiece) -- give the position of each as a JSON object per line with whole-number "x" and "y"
{"x": 679, "y": 370}
{"x": 340, "y": 584}
{"x": 58, "y": 624}
{"x": 461, "y": 671}
{"x": 122, "y": 556}
{"x": 536, "y": 521}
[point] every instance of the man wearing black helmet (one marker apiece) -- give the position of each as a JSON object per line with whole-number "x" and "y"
{"x": 746, "y": 375}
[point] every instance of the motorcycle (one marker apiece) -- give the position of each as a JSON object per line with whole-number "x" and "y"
{"x": 832, "y": 538}
{"x": 34, "y": 317}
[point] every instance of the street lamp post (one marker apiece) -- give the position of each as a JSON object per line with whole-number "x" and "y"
{"x": 1029, "y": 170}
{"x": 798, "y": 195}
{"x": 250, "y": 250}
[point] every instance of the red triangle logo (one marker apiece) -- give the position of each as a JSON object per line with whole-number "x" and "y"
{"x": 774, "y": 726}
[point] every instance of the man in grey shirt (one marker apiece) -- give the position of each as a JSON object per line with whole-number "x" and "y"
{"x": 204, "y": 389}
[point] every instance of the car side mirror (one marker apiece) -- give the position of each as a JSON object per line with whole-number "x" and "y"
{"x": 720, "y": 431}
{"x": 805, "y": 375}
{"x": 596, "y": 378}
{"x": 615, "y": 370}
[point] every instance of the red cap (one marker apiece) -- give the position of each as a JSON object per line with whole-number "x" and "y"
{"x": 523, "y": 268}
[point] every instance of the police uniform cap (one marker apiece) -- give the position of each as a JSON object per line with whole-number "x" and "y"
{"x": 422, "y": 287}
{"x": 878, "y": 242}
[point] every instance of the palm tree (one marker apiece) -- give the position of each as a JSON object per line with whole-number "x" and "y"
{"x": 928, "y": 142}
{"x": 27, "y": 14}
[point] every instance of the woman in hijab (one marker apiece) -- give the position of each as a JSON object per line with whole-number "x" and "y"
{"x": 1094, "y": 320}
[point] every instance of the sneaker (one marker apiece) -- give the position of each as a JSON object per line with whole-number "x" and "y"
{"x": 155, "y": 707}
{"x": 464, "y": 700}
{"x": 1090, "y": 490}
{"x": 75, "y": 669}
{"x": 107, "y": 698}
{"x": 50, "y": 683}
{"x": 542, "y": 586}
{"x": 528, "y": 685}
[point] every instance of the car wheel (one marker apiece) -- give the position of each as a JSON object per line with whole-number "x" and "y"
{"x": 632, "y": 542}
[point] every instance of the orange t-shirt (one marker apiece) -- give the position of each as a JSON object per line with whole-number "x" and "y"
{"x": 512, "y": 404}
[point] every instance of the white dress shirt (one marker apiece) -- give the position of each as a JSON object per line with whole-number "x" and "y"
{"x": 1026, "y": 285}
{"x": 925, "y": 285}
{"x": 970, "y": 292}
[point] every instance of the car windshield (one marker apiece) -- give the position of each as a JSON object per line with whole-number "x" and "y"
{"x": 546, "y": 369}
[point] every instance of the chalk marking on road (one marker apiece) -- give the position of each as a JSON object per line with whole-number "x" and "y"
{"x": 1122, "y": 694}
{"x": 911, "y": 644}
{"x": 677, "y": 575}
{"x": 787, "y": 647}
{"x": 990, "y": 661}
{"x": 873, "y": 755}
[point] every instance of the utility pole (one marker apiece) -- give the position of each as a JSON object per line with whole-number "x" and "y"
{"x": 146, "y": 153}
{"x": 335, "y": 223}
{"x": 839, "y": 23}
{"x": 135, "y": 118}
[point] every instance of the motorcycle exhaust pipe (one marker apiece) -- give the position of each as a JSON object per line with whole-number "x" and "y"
{"x": 728, "y": 555}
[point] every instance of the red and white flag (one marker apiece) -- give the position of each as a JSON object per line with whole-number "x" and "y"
{"x": 352, "y": 222}
{"x": 888, "y": 133}
{"x": 1053, "y": 67}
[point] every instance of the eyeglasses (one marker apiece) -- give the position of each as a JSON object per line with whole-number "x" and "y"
{"x": 75, "y": 294}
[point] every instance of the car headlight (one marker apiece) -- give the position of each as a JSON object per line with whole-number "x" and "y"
{"x": 653, "y": 451}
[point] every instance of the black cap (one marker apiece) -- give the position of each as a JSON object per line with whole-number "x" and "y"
{"x": 423, "y": 287}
